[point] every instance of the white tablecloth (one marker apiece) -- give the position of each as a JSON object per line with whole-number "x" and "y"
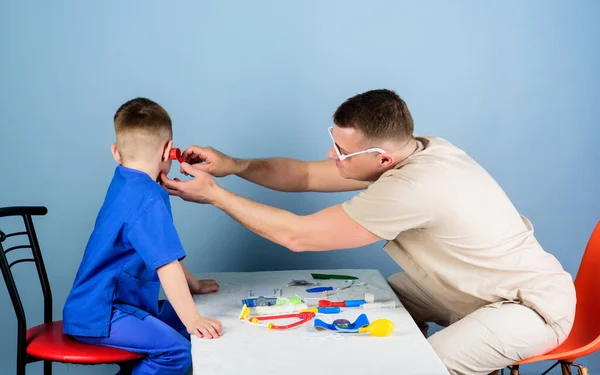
{"x": 245, "y": 349}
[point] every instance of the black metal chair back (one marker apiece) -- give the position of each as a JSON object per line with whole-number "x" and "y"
{"x": 26, "y": 213}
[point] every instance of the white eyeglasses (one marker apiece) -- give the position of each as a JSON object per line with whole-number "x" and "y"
{"x": 342, "y": 156}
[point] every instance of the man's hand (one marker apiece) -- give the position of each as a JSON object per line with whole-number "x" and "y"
{"x": 204, "y": 287}
{"x": 204, "y": 327}
{"x": 201, "y": 189}
{"x": 211, "y": 161}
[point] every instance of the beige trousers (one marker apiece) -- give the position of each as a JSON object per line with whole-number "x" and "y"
{"x": 486, "y": 340}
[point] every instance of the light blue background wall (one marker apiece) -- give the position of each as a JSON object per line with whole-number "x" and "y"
{"x": 516, "y": 84}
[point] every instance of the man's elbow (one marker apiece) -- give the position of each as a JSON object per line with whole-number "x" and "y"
{"x": 296, "y": 244}
{"x": 299, "y": 236}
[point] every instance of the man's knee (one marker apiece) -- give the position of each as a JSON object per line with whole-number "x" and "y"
{"x": 420, "y": 305}
{"x": 468, "y": 347}
{"x": 447, "y": 353}
{"x": 461, "y": 362}
{"x": 397, "y": 281}
{"x": 404, "y": 287}
{"x": 492, "y": 338}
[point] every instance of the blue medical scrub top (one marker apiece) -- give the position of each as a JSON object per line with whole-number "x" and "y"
{"x": 134, "y": 235}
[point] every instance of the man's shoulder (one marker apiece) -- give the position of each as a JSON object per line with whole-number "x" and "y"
{"x": 436, "y": 153}
{"x": 432, "y": 165}
{"x": 437, "y": 144}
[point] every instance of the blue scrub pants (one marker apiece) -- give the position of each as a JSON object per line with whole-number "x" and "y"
{"x": 162, "y": 339}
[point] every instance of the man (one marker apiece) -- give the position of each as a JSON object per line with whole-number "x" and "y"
{"x": 471, "y": 261}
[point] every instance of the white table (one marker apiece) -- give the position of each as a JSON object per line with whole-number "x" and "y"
{"x": 248, "y": 350}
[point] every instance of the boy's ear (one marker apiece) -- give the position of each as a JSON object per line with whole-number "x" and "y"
{"x": 167, "y": 150}
{"x": 115, "y": 153}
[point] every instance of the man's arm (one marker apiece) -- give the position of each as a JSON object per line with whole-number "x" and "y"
{"x": 283, "y": 174}
{"x": 328, "y": 229}
{"x": 292, "y": 175}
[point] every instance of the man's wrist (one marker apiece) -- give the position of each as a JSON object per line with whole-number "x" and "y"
{"x": 219, "y": 197}
{"x": 241, "y": 165}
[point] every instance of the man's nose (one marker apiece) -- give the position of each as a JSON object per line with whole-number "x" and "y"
{"x": 331, "y": 154}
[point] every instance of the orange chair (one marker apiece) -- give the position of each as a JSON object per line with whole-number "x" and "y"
{"x": 584, "y": 338}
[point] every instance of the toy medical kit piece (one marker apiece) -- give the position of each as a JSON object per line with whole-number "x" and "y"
{"x": 346, "y": 303}
{"x": 319, "y": 289}
{"x": 351, "y": 283}
{"x": 265, "y": 292}
{"x": 347, "y": 284}
{"x": 260, "y": 301}
{"x": 379, "y": 328}
{"x": 175, "y": 154}
{"x": 285, "y": 308}
{"x": 323, "y": 276}
{"x": 379, "y": 305}
{"x": 343, "y": 325}
{"x": 303, "y": 317}
{"x": 245, "y": 313}
{"x": 301, "y": 283}
{"x": 369, "y": 297}
{"x": 323, "y": 310}
{"x": 267, "y": 306}
{"x": 329, "y": 290}
{"x": 311, "y": 298}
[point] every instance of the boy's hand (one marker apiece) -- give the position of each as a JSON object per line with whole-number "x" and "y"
{"x": 204, "y": 286}
{"x": 204, "y": 327}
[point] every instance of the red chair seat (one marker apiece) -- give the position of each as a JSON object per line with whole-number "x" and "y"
{"x": 48, "y": 341}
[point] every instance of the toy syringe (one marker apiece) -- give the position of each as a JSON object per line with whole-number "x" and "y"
{"x": 379, "y": 305}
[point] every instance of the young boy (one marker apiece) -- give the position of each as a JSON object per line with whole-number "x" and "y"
{"x": 133, "y": 250}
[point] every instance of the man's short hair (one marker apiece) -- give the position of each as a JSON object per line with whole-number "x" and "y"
{"x": 379, "y": 114}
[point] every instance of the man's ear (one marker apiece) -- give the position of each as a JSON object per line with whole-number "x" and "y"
{"x": 166, "y": 150}
{"x": 115, "y": 153}
{"x": 386, "y": 160}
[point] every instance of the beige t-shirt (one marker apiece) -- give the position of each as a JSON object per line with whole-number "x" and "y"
{"x": 452, "y": 228}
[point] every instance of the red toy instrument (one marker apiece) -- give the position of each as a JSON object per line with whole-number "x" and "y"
{"x": 303, "y": 316}
{"x": 175, "y": 154}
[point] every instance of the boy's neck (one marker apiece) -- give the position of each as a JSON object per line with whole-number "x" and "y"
{"x": 151, "y": 170}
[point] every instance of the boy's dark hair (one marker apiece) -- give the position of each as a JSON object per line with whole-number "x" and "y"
{"x": 141, "y": 114}
{"x": 379, "y": 114}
